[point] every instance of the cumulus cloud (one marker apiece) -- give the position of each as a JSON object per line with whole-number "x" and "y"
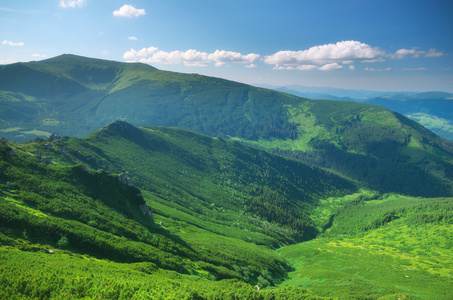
{"x": 325, "y": 57}
{"x": 332, "y": 66}
{"x": 132, "y": 38}
{"x": 190, "y": 57}
{"x": 71, "y": 3}
{"x": 344, "y": 51}
{"x": 128, "y": 11}
{"x": 12, "y": 44}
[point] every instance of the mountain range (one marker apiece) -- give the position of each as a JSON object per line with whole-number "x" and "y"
{"x": 73, "y": 96}
{"x": 119, "y": 180}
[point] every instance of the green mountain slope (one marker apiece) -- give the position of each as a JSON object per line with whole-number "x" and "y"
{"x": 219, "y": 207}
{"x": 72, "y": 95}
{"x": 434, "y": 110}
{"x": 395, "y": 248}
{"x": 221, "y": 186}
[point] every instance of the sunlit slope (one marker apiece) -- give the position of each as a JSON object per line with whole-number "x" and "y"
{"x": 45, "y": 205}
{"x": 73, "y": 95}
{"x": 221, "y": 186}
{"x": 370, "y": 144}
{"x": 398, "y": 246}
{"x": 66, "y": 232}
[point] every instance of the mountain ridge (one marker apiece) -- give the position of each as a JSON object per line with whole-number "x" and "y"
{"x": 358, "y": 140}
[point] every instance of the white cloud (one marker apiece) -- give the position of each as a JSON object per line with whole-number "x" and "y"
{"x": 351, "y": 67}
{"x": 71, "y": 3}
{"x": 300, "y": 68}
{"x": 402, "y": 53}
{"x": 39, "y": 55}
{"x": 12, "y": 44}
{"x": 330, "y": 67}
{"x": 128, "y": 11}
{"x": 132, "y": 38}
{"x": 222, "y": 57}
{"x": 251, "y": 66}
{"x": 377, "y": 70}
{"x": 189, "y": 58}
{"x": 346, "y": 51}
{"x": 433, "y": 53}
{"x": 414, "y": 69}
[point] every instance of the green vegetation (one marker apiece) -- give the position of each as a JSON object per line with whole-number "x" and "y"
{"x": 200, "y": 190}
{"x": 440, "y": 126}
{"x": 396, "y": 245}
{"x": 76, "y": 95}
{"x": 220, "y": 208}
{"x": 163, "y": 212}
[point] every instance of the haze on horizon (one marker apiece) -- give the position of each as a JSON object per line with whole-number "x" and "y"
{"x": 371, "y": 45}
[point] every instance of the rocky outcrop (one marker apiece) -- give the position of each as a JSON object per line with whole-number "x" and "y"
{"x": 54, "y": 138}
{"x": 48, "y": 146}
{"x": 122, "y": 178}
{"x": 146, "y": 210}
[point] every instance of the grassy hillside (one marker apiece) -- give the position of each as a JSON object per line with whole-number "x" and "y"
{"x": 221, "y": 186}
{"x": 220, "y": 208}
{"x": 396, "y": 246}
{"x": 72, "y": 95}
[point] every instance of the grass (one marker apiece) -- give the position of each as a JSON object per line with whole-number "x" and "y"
{"x": 404, "y": 256}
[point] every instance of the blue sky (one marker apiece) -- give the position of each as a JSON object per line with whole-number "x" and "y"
{"x": 396, "y": 45}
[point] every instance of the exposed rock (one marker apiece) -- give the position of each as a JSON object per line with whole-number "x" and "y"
{"x": 48, "y": 146}
{"x": 50, "y": 251}
{"x": 62, "y": 150}
{"x": 146, "y": 210}
{"x": 54, "y": 138}
{"x": 122, "y": 178}
{"x": 11, "y": 152}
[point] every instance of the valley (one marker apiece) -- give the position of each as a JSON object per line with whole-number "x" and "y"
{"x": 124, "y": 181}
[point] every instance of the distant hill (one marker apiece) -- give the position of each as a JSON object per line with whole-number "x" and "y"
{"x": 72, "y": 95}
{"x": 434, "y": 110}
{"x": 431, "y": 109}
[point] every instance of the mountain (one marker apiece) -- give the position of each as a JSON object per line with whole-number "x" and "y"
{"x": 206, "y": 207}
{"x": 431, "y": 109}
{"x": 157, "y": 212}
{"x": 434, "y": 110}
{"x": 72, "y": 95}
{"x": 329, "y": 93}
